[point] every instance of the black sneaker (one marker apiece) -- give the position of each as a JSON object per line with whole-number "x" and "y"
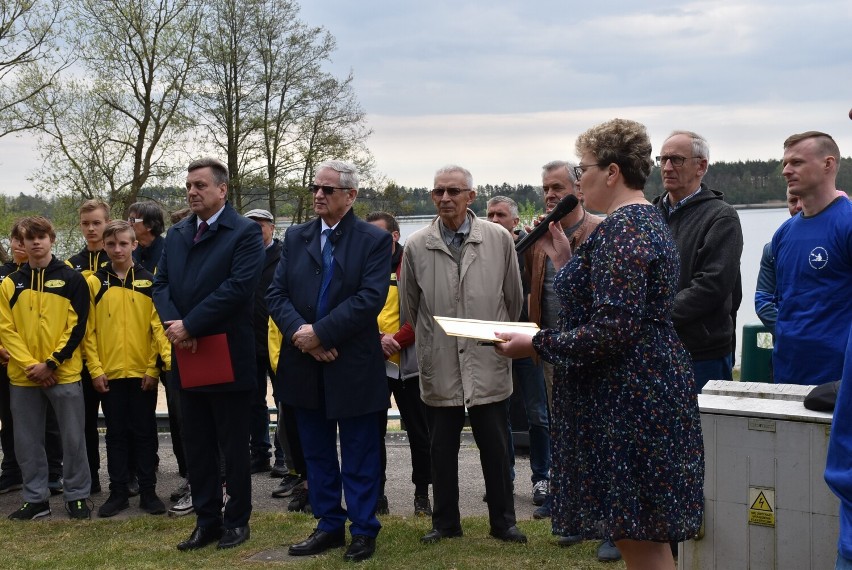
{"x": 382, "y": 507}
{"x": 133, "y": 487}
{"x": 278, "y": 470}
{"x": 287, "y": 486}
{"x": 30, "y": 511}
{"x": 422, "y": 506}
{"x": 116, "y": 503}
{"x": 54, "y": 484}
{"x": 299, "y": 502}
{"x": 151, "y": 503}
{"x": 9, "y": 482}
{"x": 78, "y": 509}
{"x": 540, "y": 490}
{"x": 260, "y": 466}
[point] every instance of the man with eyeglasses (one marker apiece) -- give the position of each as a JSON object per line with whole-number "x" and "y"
{"x": 461, "y": 266}
{"x": 326, "y": 296}
{"x": 710, "y": 242}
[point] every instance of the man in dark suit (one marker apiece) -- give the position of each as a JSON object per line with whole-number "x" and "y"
{"x": 205, "y": 286}
{"x": 329, "y": 288}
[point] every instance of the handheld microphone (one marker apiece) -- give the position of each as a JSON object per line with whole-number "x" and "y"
{"x": 565, "y": 206}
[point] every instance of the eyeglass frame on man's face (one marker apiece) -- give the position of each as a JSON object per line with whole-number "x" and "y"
{"x": 327, "y": 190}
{"x": 134, "y": 220}
{"x": 452, "y": 192}
{"x": 676, "y": 160}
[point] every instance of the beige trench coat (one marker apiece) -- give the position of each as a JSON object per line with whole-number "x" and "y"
{"x": 485, "y": 285}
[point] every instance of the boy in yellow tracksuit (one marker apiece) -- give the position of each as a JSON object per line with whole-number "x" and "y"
{"x": 43, "y": 310}
{"x": 121, "y": 350}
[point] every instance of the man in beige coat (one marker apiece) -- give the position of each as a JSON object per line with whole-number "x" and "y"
{"x": 461, "y": 266}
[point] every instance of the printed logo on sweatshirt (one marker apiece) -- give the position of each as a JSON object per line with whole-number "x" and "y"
{"x": 818, "y": 258}
{"x": 140, "y": 283}
{"x": 54, "y": 283}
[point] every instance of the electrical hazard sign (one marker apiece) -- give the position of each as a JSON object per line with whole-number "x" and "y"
{"x": 761, "y": 510}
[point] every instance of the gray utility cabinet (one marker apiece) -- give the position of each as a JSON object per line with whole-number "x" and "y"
{"x": 766, "y": 503}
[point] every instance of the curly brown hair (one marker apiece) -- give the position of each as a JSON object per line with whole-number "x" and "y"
{"x": 623, "y": 142}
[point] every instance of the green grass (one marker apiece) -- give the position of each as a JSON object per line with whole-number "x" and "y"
{"x": 149, "y": 543}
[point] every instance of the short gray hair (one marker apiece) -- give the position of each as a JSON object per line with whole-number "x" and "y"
{"x": 219, "y": 168}
{"x": 513, "y": 206}
{"x": 557, "y": 164}
{"x": 700, "y": 148}
{"x": 348, "y": 172}
{"x": 450, "y": 168}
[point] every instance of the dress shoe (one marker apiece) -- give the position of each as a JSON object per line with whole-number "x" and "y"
{"x": 569, "y": 540}
{"x": 232, "y": 537}
{"x": 317, "y": 543}
{"x": 362, "y": 548}
{"x": 201, "y": 537}
{"x": 436, "y": 534}
{"x": 511, "y": 534}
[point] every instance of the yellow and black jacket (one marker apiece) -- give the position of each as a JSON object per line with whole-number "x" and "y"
{"x": 124, "y": 336}
{"x": 87, "y": 262}
{"x": 43, "y": 316}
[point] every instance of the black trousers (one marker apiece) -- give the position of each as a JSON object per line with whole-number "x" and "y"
{"x": 490, "y": 425}
{"x": 91, "y": 401}
{"x": 175, "y": 421}
{"x": 214, "y": 421}
{"x": 412, "y": 411}
{"x": 52, "y": 442}
{"x": 131, "y": 424}
{"x": 287, "y": 417}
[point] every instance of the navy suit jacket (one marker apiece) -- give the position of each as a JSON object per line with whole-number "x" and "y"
{"x": 354, "y": 383}
{"x": 210, "y": 286}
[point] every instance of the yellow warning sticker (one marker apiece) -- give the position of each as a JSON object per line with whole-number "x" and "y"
{"x": 761, "y": 510}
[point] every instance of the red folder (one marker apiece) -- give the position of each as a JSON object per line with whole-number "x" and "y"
{"x": 209, "y": 365}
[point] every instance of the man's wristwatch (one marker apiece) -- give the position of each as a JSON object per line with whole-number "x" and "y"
{"x": 51, "y": 364}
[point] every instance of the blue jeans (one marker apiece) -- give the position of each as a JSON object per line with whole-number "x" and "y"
{"x": 530, "y": 382}
{"x": 842, "y": 563}
{"x": 712, "y": 369}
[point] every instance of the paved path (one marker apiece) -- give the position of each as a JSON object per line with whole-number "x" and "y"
{"x": 399, "y": 489}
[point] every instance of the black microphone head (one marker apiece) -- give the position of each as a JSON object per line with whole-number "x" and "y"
{"x": 564, "y": 206}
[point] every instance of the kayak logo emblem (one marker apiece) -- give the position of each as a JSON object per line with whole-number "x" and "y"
{"x": 818, "y": 257}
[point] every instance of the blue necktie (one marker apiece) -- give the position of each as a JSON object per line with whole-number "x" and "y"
{"x": 327, "y": 272}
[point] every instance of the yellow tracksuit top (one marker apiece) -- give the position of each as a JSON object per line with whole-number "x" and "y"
{"x": 43, "y": 316}
{"x": 124, "y": 335}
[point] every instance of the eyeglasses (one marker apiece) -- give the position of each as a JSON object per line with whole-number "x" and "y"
{"x": 675, "y": 160}
{"x": 134, "y": 220}
{"x": 581, "y": 168}
{"x": 325, "y": 189}
{"x": 438, "y": 192}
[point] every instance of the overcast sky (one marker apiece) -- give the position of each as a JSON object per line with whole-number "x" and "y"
{"x": 502, "y": 87}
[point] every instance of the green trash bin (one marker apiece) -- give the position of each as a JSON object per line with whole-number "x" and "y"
{"x": 757, "y": 354}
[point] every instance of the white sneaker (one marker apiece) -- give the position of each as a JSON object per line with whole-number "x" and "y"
{"x": 182, "y": 507}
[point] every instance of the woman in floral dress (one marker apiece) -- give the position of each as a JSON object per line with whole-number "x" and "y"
{"x": 628, "y": 457}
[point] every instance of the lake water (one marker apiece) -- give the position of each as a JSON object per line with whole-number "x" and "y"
{"x": 758, "y": 227}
